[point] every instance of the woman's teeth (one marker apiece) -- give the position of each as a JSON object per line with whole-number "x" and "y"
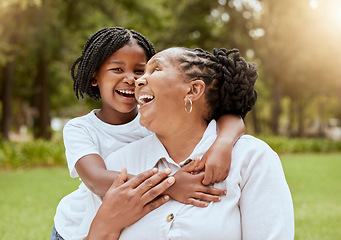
{"x": 143, "y": 99}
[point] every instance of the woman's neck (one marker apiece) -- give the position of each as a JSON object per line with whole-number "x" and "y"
{"x": 181, "y": 143}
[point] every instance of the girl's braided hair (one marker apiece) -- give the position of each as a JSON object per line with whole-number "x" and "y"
{"x": 229, "y": 79}
{"x": 99, "y": 47}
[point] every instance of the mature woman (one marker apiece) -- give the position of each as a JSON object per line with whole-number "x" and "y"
{"x": 180, "y": 93}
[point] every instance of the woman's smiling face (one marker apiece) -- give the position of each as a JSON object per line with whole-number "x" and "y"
{"x": 161, "y": 92}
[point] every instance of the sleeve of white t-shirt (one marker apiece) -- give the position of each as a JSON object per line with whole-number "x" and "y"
{"x": 266, "y": 204}
{"x": 78, "y": 143}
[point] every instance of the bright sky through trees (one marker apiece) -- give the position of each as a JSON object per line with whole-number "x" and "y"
{"x": 313, "y": 3}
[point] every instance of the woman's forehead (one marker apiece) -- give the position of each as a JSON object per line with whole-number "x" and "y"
{"x": 172, "y": 52}
{"x": 169, "y": 54}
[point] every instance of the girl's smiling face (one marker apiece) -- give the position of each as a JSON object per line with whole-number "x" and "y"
{"x": 115, "y": 79}
{"x": 161, "y": 92}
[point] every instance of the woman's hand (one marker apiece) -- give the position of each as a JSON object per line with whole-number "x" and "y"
{"x": 126, "y": 202}
{"x": 189, "y": 189}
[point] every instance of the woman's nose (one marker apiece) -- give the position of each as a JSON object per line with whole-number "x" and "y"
{"x": 140, "y": 82}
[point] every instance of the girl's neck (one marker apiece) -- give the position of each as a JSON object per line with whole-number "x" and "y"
{"x": 115, "y": 117}
{"x": 180, "y": 144}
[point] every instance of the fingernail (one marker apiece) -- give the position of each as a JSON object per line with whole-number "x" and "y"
{"x": 225, "y": 192}
{"x": 166, "y": 197}
{"x": 155, "y": 170}
{"x": 171, "y": 179}
{"x": 168, "y": 171}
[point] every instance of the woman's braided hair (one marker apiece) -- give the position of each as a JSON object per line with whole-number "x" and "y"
{"x": 229, "y": 80}
{"x": 99, "y": 47}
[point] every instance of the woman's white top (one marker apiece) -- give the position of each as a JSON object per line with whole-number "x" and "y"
{"x": 83, "y": 136}
{"x": 258, "y": 204}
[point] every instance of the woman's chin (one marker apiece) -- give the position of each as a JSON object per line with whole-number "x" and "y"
{"x": 144, "y": 121}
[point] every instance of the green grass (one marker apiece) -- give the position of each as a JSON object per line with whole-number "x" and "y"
{"x": 28, "y": 198}
{"x": 315, "y": 184}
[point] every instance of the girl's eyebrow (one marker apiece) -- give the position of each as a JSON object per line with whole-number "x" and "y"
{"x": 122, "y": 63}
{"x": 115, "y": 62}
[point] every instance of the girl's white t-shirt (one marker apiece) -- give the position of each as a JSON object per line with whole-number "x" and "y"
{"x": 83, "y": 136}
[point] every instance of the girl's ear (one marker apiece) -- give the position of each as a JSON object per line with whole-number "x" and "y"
{"x": 93, "y": 80}
{"x": 197, "y": 90}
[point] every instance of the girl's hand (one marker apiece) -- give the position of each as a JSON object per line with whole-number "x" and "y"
{"x": 217, "y": 159}
{"x": 188, "y": 187}
{"x": 126, "y": 202}
{"x": 216, "y": 162}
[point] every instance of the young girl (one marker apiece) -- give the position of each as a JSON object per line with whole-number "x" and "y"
{"x": 112, "y": 59}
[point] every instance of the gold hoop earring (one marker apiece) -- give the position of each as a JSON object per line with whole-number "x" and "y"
{"x": 190, "y": 107}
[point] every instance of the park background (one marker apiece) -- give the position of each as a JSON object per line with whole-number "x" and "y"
{"x": 295, "y": 44}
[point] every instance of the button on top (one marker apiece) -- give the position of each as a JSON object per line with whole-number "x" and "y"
{"x": 170, "y": 217}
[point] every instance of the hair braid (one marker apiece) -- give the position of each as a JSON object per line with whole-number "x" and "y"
{"x": 99, "y": 47}
{"x": 144, "y": 43}
{"x": 228, "y": 77}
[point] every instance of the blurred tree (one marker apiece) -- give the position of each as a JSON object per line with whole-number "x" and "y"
{"x": 272, "y": 54}
{"x": 210, "y": 24}
{"x": 44, "y": 33}
{"x": 295, "y": 48}
{"x": 10, "y": 19}
{"x": 296, "y": 57}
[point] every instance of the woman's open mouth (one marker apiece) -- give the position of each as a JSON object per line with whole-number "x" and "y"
{"x": 145, "y": 98}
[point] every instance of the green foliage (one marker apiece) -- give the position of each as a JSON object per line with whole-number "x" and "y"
{"x": 282, "y": 144}
{"x": 31, "y": 154}
{"x": 15, "y": 155}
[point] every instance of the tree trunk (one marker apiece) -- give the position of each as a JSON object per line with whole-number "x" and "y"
{"x": 41, "y": 102}
{"x": 276, "y": 111}
{"x": 255, "y": 121}
{"x": 300, "y": 114}
{"x": 291, "y": 118}
{"x": 6, "y": 98}
{"x": 321, "y": 118}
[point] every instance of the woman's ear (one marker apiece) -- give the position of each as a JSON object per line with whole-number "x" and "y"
{"x": 197, "y": 89}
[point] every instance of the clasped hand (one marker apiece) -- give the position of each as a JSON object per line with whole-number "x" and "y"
{"x": 127, "y": 201}
{"x": 189, "y": 189}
